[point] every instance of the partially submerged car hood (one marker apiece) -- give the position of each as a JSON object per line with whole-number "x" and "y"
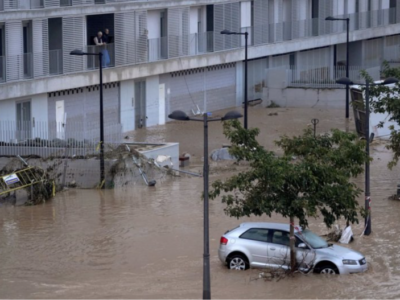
{"x": 340, "y": 252}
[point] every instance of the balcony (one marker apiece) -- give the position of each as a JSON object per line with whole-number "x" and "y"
{"x": 108, "y": 56}
{"x": 2, "y": 69}
{"x": 53, "y": 62}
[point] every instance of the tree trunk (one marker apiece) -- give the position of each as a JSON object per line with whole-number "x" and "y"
{"x": 292, "y": 246}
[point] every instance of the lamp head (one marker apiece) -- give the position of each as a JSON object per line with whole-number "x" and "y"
{"x": 231, "y": 115}
{"x": 178, "y": 115}
{"x": 77, "y": 52}
{"x": 226, "y": 31}
{"x": 345, "y": 81}
{"x": 330, "y": 18}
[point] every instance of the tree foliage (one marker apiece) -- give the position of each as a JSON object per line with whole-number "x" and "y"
{"x": 384, "y": 99}
{"x": 317, "y": 182}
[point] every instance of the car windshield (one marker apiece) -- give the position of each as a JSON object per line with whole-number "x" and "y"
{"x": 314, "y": 240}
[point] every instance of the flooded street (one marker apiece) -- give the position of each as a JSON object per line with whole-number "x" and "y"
{"x": 142, "y": 242}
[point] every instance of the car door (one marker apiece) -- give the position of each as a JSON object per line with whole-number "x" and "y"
{"x": 278, "y": 249}
{"x": 305, "y": 257}
{"x": 255, "y": 241}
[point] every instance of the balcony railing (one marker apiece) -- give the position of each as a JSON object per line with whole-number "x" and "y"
{"x": 158, "y": 48}
{"x": 20, "y": 67}
{"x": 2, "y": 69}
{"x": 108, "y": 56}
{"x": 55, "y": 62}
{"x": 321, "y": 77}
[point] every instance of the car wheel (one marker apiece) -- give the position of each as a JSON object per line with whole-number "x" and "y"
{"x": 327, "y": 269}
{"x": 238, "y": 262}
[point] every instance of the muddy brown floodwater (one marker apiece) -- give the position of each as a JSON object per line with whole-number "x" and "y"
{"x": 141, "y": 242}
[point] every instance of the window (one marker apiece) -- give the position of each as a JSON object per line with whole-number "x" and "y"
{"x": 281, "y": 238}
{"x": 256, "y": 234}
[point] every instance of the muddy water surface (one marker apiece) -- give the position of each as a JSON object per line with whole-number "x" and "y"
{"x": 145, "y": 242}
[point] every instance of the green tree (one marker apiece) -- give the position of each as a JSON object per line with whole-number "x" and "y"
{"x": 317, "y": 182}
{"x": 385, "y": 99}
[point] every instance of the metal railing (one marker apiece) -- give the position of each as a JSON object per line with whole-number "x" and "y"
{"x": 193, "y": 44}
{"x": 51, "y": 138}
{"x": 158, "y": 48}
{"x": 321, "y": 77}
{"x": 108, "y": 56}
{"x": 2, "y": 69}
{"x": 55, "y": 62}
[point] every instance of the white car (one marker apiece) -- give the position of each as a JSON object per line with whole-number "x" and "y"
{"x": 262, "y": 245}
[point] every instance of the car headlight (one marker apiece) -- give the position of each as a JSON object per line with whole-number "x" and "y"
{"x": 349, "y": 262}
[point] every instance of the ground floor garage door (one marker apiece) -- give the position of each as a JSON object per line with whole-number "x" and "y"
{"x": 203, "y": 89}
{"x": 76, "y": 113}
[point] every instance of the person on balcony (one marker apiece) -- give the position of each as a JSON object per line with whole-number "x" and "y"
{"x": 106, "y": 36}
{"x": 98, "y": 40}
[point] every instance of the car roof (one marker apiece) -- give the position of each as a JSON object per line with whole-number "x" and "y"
{"x": 278, "y": 226}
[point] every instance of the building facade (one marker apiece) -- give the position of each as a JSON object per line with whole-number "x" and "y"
{"x": 167, "y": 55}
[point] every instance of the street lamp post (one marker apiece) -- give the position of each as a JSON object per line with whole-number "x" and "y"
{"x": 347, "y": 58}
{"x": 181, "y": 116}
{"x": 100, "y": 55}
{"x": 246, "y": 37}
{"x": 368, "y": 139}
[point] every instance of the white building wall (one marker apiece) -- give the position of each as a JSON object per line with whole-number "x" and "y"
{"x": 194, "y": 19}
{"x": 39, "y": 110}
{"x": 340, "y": 7}
{"x": 153, "y": 23}
{"x": 152, "y": 109}
{"x": 385, "y": 4}
{"x": 127, "y": 105}
{"x": 351, "y": 9}
{"x": 245, "y": 13}
{"x": 39, "y": 106}
{"x": 8, "y": 110}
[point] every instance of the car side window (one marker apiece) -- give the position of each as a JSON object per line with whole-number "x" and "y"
{"x": 281, "y": 238}
{"x": 256, "y": 234}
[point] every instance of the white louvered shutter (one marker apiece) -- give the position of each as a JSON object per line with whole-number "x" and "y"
{"x": 141, "y": 36}
{"x": 178, "y": 31}
{"x": 363, "y": 18}
{"x": 40, "y": 47}
{"x": 77, "y": 2}
{"x": 233, "y": 23}
{"x": 376, "y": 14}
{"x": 73, "y": 38}
{"x": 295, "y": 19}
{"x": 51, "y": 3}
{"x": 218, "y": 27}
{"x": 279, "y": 21}
{"x": 226, "y": 16}
{"x": 14, "y": 50}
{"x": 185, "y": 30}
{"x": 325, "y": 10}
{"x": 261, "y": 22}
{"x": 124, "y": 27}
{"x": 10, "y": 4}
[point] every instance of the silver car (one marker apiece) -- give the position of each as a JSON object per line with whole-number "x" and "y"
{"x": 262, "y": 245}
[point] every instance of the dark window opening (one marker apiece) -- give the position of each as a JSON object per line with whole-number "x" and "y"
{"x": 55, "y": 46}
{"x": 94, "y": 25}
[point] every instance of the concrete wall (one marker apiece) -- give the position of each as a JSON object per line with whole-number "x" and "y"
{"x": 169, "y": 149}
{"x": 301, "y": 97}
{"x": 86, "y": 172}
